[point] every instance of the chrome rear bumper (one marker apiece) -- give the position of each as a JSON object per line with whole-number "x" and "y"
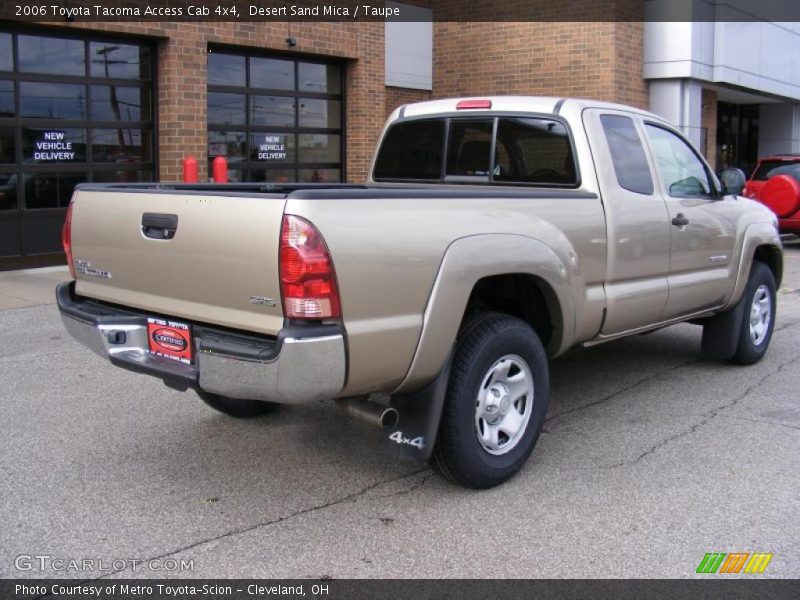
{"x": 302, "y": 364}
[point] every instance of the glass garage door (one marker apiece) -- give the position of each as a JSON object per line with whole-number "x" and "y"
{"x": 275, "y": 119}
{"x": 72, "y": 109}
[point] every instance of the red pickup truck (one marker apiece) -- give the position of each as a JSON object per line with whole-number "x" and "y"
{"x": 776, "y": 184}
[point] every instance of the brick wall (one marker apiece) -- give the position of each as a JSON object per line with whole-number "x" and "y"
{"x": 396, "y": 96}
{"x": 709, "y": 123}
{"x": 182, "y": 107}
{"x": 599, "y": 59}
{"x": 595, "y": 59}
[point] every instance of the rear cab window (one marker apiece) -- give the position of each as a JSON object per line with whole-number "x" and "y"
{"x": 502, "y": 150}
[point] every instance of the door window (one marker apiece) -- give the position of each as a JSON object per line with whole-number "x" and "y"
{"x": 683, "y": 173}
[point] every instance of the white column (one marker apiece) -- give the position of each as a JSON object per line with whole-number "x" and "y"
{"x": 680, "y": 101}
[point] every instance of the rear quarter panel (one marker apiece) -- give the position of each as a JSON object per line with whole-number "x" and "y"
{"x": 387, "y": 253}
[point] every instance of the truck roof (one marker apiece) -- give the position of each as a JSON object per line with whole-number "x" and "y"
{"x": 515, "y": 104}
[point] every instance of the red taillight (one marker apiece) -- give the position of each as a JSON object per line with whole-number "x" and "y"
{"x": 308, "y": 279}
{"x": 66, "y": 240}
{"x": 467, "y": 104}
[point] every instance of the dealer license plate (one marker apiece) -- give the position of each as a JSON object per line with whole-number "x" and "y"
{"x": 171, "y": 339}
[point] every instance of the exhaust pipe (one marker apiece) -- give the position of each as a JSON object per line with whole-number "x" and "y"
{"x": 372, "y": 413}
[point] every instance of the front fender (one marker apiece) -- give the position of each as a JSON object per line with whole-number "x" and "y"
{"x": 468, "y": 260}
{"x": 756, "y": 234}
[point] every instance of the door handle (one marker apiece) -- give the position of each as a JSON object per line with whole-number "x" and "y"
{"x": 680, "y": 220}
{"x": 158, "y": 226}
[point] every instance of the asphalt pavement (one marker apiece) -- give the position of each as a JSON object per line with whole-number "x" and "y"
{"x": 650, "y": 458}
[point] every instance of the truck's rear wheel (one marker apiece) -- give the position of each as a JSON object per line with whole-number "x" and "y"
{"x": 496, "y": 402}
{"x": 234, "y": 407}
{"x": 758, "y": 319}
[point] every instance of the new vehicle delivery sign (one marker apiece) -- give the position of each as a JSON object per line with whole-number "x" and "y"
{"x": 53, "y": 146}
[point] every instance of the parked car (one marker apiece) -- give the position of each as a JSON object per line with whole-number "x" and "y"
{"x": 776, "y": 184}
{"x": 494, "y": 235}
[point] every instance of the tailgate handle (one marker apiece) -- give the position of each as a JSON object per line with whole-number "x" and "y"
{"x": 159, "y": 226}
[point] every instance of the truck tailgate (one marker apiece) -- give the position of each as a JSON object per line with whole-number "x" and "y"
{"x": 220, "y": 266}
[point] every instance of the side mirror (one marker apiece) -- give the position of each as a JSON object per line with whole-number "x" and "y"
{"x": 732, "y": 180}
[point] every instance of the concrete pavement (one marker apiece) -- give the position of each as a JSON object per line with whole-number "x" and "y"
{"x": 651, "y": 457}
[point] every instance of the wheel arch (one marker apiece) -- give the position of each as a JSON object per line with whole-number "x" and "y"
{"x": 760, "y": 243}
{"x": 475, "y": 272}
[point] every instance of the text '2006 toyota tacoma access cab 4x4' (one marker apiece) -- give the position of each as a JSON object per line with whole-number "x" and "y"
{"x": 494, "y": 234}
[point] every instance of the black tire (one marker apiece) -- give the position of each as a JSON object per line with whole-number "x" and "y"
{"x": 485, "y": 343}
{"x": 748, "y": 351}
{"x": 234, "y": 407}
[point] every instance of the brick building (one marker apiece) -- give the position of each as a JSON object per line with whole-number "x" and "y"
{"x": 128, "y": 101}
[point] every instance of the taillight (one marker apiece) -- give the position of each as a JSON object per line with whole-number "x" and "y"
{"x": 308, "y": 279}
{"x": 66, "y": 239}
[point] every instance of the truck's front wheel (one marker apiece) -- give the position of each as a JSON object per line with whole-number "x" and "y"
{"x": 234, "y": 407}
{"x": 496, "y": 402}
{"x": 758, "y": 319}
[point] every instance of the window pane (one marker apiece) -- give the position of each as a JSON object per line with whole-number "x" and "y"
{"x": 271, "y": 73}
{"x": 319, "y": 78}
{"x": 320, "y": 175}
{"x": 120, "y": 103}
{"x": 42, "y": 146}
{"x": 682, "y": 172}
{"x": 320, "y": 113}
{"x": 411, "y": 151}
{"x": 121, "y": 145}
{"x": 119, "y": 61}
{"x": 6, "y": 57}
{"x": 272, "y": 148}
{"x": 7, "y": 99}
{"x": 52, "y": 100}
{"x": 230, "y": 144}
{"x": 275, "y": 111}
{"x": 469, "y": 148}
{"x": 51, "y": 55}
{"x": 123, "y": 176}
{"x": 274, "y": 175}
{"x": 319, "y": 148}
{"x": 7, "y": 145}
{"x": 226, "y": 69}
{"x": 534, "y": 151}
{"x": 227, "y": 109}
{"x": 8, "y": 191}
{"x": 627, "y": 154}
{"x": 50, "y": 190}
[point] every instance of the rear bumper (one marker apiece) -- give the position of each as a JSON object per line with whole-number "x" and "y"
{"x": 302, "y": 364}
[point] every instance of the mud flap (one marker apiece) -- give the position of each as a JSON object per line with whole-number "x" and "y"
{"x": 721, "y": 333}
{"x": 415, "y": 433}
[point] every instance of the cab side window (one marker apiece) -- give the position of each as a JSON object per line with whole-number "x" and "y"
{"x": 683, "y": 173}
{"x": 627, "y": 154}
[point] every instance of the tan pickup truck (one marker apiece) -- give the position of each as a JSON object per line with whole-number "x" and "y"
{"x": 494, "y": 234}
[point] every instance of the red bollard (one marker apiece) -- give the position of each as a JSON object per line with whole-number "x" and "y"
{"x": 190, "y": 170}
{"x": 220, "y": 169}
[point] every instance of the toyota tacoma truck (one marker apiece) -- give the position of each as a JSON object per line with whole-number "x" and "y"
{"x": 494, "y": 234}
